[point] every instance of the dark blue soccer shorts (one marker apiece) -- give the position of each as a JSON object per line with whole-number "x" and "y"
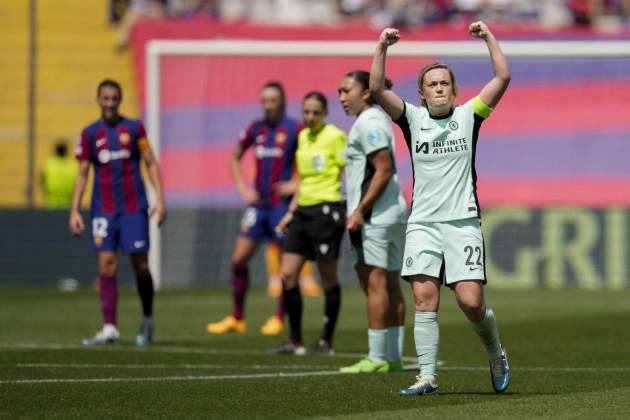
{"x": 127, "y": 231}
{"x": 258, "y": 223}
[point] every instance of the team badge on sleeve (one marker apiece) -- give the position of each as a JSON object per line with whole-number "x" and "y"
{"x": 373, "y": 137}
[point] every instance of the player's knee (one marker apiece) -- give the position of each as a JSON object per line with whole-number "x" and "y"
{"x": 107, "y": 267}
{"x": 142, "y": 270}
{"x": 425, "y": 303}
{"x": 471, "y": 306}
{"x": 377, "y": 287}
{"x": 239, "y": 264}
{"x": 289, "y": 280}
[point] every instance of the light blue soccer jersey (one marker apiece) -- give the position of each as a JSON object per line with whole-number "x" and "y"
{"x": 372, "y": 131}
{"x": 443, "y": 159}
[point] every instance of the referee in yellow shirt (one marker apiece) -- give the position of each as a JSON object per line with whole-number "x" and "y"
{"x": 315, "y": 222}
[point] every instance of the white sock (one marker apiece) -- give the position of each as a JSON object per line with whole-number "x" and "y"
{"x": 426, "y": 333}
{"x": 488, "y": 332}
{"x": 395, "y": 337}
{"x": 376, "y": 345}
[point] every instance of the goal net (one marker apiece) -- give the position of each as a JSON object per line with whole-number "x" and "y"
{"x": 554, "y": 178}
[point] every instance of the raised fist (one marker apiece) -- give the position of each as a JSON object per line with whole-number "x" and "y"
{"x": 389, "y": 36}
{"x": 479, "y": 30}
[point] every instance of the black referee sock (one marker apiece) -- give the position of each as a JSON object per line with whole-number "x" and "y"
{"x": 144, "y": 283}
{"x": 293, "y": 303}
{"x": 331, "y": 312}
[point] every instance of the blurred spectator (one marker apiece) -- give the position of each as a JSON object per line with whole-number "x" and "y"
{"x": 184, "y": 8}
{"x": 409, "y": 14}
{"x": 138, "y": 10}
{"x": 58, "y": 177}
{"x": 117, "y": 9}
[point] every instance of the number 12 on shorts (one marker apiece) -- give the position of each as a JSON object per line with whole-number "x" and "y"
{"x": 474, "y": 259}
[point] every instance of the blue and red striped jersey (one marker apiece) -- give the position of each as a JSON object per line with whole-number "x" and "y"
{"x": 115, "y": 152}
{"x": 274, "y": 150}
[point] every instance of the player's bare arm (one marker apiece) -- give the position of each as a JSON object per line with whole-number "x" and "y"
{"x": 76, "y": 224}
{"x": 383, "y": 169}
{"x": 153, "y": 169}
{"x": 386, "y": 98}
{"x": 249, "y": 195}
{"x": 493, "y": 91}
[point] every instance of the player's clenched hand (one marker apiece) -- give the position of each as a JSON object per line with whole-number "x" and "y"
{"x": 285, "y": 188}
{"x": 479, "y": 30}
{"x": 160, "y": 212}
{"x": 389, "y": 36}
{"x": 355, "y": 221}
{"x": 75, "y": 224}
{"x": 282, "y": 226}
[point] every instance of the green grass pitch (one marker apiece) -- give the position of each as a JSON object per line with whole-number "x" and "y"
{"x": 569, "y": 351}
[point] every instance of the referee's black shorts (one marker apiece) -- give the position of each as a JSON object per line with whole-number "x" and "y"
{"x": 316, "y": 231}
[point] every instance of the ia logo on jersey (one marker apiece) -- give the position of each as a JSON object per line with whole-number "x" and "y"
{"x": 453, "y": 125}
{"x": 422, "y": 147}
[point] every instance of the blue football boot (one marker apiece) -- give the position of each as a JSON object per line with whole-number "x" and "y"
{"x": 500, "y": 373}
{"x": 145, "y": 336}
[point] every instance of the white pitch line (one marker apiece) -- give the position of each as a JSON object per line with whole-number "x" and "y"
{"x": 165, "y": 349}
{"x": 167, "y": 378}
{"x": 164, "y": 366}
{"x": 277, "y": 375}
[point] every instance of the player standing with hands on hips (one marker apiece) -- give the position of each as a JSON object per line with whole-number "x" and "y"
{"x": 444, "y": 239}
{"x": 119, "y": 213}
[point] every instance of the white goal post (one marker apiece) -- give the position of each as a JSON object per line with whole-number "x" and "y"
{"x": 156, "y": 49}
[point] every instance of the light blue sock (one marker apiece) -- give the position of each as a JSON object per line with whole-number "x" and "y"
{"x": 489, "y": 334}
{"x": 395, "y": 341}
{"x": 377, "y": 344}
{"x": 426, "y": 333}
{"x": 401, "y": 340}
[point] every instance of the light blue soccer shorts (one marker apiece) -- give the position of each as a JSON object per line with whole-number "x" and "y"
{"x": 453, "y": 250}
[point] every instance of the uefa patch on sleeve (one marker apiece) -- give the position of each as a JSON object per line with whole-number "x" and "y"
{"x": 373, "y": 137}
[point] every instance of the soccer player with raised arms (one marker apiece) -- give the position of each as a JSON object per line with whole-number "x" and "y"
{"x": 376, "y": 213}
{"x": 444, "y": 241}
{"x": 119, "y": 213}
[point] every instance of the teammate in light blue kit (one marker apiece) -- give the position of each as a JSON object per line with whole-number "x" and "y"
{"x": 444, "y": 239}
{"x": 376, "y": 214}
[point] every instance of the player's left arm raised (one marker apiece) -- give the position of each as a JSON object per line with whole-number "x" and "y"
{"x": 153, "y": 169}
{"x": 493, "y": 91}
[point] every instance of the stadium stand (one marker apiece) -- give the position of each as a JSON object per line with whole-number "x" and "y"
{"x": 75, "y": 51}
